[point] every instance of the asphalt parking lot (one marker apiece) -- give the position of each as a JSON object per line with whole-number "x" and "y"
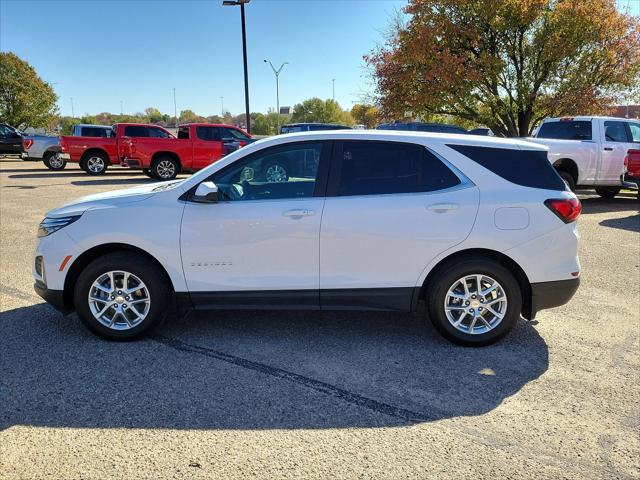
{"x": 317, "y": 395}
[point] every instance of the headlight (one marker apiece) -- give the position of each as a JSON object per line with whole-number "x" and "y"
{"x": 50, "y": 225}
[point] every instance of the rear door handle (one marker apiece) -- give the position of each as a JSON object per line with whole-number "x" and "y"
{"x": 299, "y": 213}
{"x": 443, "y": 207}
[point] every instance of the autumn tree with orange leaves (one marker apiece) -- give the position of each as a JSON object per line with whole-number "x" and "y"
{"x": 507, "y": 64}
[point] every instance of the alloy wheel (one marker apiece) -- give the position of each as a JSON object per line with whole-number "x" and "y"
{"x": 95, "y": 164}
{"x": 166, "y": 169}
{"x": 119, "y": 300}
{"x": 56, "y": 161}
{"x": 475, "y": 304}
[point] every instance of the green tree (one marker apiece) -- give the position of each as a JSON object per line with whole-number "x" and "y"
{"x": 366, "y": 115}
{"x": 323, "y": 111}
{"x": 507, "y": 64}
{"x": 25, "y": 99}
{"x": 154, "y": 115}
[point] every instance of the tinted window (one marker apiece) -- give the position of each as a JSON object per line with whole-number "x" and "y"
{"x": 233, "y": 133}
{"x": 289, "y": 171}
{"x": 615, "y": 132}
{"x": 183, "y": 133}
{"x": 158, "y": 133}
{"x": 136, "y": 131}
{"x": 5, "y": 132}
{"x": 291, "y": 129}
{"x": 210, "y": 134}
{"x": 529, "y": 168}
{"x": 369, "y": 168}
{"x": 566, "y": 130}
{"x": 635, "y": 132}
{"x": 94, "y": 132}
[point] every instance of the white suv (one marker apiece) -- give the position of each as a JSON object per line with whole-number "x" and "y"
{"x": 481, "y": 229}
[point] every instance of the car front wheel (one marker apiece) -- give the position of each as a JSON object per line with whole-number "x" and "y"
{"x": 121, "y": 296}
{"x": 165, "y": 168}
{"x": 474, "y": 302}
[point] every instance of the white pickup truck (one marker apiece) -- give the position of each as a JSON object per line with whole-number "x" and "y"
{"x": 589, "y": 151}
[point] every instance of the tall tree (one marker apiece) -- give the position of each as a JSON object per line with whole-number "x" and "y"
{"x": 507, "y": 63}
{"x": 25, "y": 99}
{"x": 317, "y": 110}
{"x": 366, "y": 115}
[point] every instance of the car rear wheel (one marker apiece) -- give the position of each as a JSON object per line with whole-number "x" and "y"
{"x": 121, "y": 296}
{"x": 568, "y": 180}
{"x": 608, "y": 192}
{"x": 165, "y": 168}
{"x": 95, "y": 163}
{"x": 474, "y": 301}
{"x": 54, "y": 161}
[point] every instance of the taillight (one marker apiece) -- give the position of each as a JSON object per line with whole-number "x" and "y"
{"x": 26, "y": 143}
{"x": 63, "y": 144}
{"x": 567, "y": 209}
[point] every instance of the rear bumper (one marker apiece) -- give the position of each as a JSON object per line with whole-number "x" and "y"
{"x": 546, "y": 295}
{"x": 630, "y": 182}
{"x": 55, "y": 298}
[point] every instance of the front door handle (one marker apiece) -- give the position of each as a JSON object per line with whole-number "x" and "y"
{"x": 299, "y": 213}
{"x": 443, "y": 207}
{"x": 608, "y": 149}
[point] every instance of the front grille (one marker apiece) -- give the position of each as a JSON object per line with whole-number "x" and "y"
{"x": 39, "y": 266}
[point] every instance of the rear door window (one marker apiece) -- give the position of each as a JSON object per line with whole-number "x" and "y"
{"x": 529, "y": 168}
{"x": 136, "y": 131}
{"x": 566, "y": 130}
{"x": 374, "y": 168}
{"x": 615, "y": 132}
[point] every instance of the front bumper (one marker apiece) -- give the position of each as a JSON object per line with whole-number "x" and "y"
{"x": 55, "y": 298}
{"x": 546, "y": 295}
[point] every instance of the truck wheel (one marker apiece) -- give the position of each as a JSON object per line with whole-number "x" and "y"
{"x": 54, "y": 161}
{"x": 568, "y": 179}
{"x": 95, "y": 163}
{"x": 165, "y": 168}
{"x": 608, "y": 192}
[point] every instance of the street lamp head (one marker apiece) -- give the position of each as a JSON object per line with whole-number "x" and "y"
{"x": 232, "y": 3}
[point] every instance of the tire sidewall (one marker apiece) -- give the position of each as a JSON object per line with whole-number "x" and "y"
{"x": 568, "y": 180}
{"x": 445, "y": 278}
{"x": 154, "y": 169}
{"x": 47, "y": 161}
{"x": 155, "y": 280}
{"x": 85, "y": 163}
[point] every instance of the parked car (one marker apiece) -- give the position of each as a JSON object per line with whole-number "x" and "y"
{"x": 45, "y": 148}
{"x": 88, "y": 130}
{"x": 589, "y": 151}
{"x": 311, "y": 127}
{"x": 10, "y": 140}
{"x": 96, "y": 152}
{"x": 433, "y": 127}
{"x": 197, "y": 146}
{"x": 631, "y": 171}
{"x": 384, "y": 221}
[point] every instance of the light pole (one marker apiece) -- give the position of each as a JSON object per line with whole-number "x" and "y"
{"x": 72, "y": 113}
{"x": 230, "y": 3}
{"x": 333, "y": 88}
{"x": 277, "y": 74}
{"x": 121, "y": 107}
{"x": 175, "y": 109}
{"x": 222, "y": 106}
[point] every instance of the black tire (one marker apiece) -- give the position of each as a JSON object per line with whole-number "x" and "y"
{"x": 52, "y": 161}
{"x": 276, "y": 172}
{"x": 568, "y": 179}
{"x": 608, "y": 192}
{"x": 154, "y": 278}
{"x": 165, "y": 168}
{"x": 448, "y": 275}
{"x": 147, "y": 172}
{"x": 95, "y": 163}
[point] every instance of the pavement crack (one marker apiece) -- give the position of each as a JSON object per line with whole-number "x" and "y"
{"x": 310, "y": 383}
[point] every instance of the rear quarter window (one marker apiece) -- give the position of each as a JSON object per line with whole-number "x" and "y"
{"x": 566, "y": 130}
{"x": 528, "y": 168}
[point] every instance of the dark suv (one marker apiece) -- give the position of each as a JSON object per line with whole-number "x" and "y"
{"x": 10, "y": 140}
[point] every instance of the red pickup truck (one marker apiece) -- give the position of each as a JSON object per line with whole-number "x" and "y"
{"x": 197, "y": 146}
{"x": 95, "y": 154}
{"x": 631, "y": 174}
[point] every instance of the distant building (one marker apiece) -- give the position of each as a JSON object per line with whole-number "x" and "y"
{"x": 626, "y": 111}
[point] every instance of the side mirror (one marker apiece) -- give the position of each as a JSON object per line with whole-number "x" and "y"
{"x": 207, "y": 192}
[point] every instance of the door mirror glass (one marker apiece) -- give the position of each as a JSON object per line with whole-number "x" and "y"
{"x": 207, "y": 192}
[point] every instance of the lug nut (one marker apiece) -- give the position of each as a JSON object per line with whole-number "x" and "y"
{"x": 473, "y": 296}
{"x": 467, "y": 302}
{"x": 480, "y": 309}
{"x": 124, "y": 306}
{"x": 119, "y": 292}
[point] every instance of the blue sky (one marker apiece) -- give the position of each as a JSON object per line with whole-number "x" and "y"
{"x": 101, "y": 52}
{"x": 104, "y": 52}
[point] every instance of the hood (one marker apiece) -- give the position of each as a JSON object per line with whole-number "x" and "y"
{"x": 105, "y": 200}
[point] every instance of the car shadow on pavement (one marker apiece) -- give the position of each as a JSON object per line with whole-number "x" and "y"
{"x": 70, "y": 174}
{"x": 628, "y": 202}
{"x": 631, "y": 223}
{"x": 254, "y": 370}
{"x": 114, "y": 181}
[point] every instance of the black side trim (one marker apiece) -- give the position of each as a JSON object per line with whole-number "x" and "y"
{"x": 257, "y": 300}
{"x": 552, "y": 294}
{"x": 395, "y": 299}
{"x": 385, "y": 299}
{"x": 55, "y": 298}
